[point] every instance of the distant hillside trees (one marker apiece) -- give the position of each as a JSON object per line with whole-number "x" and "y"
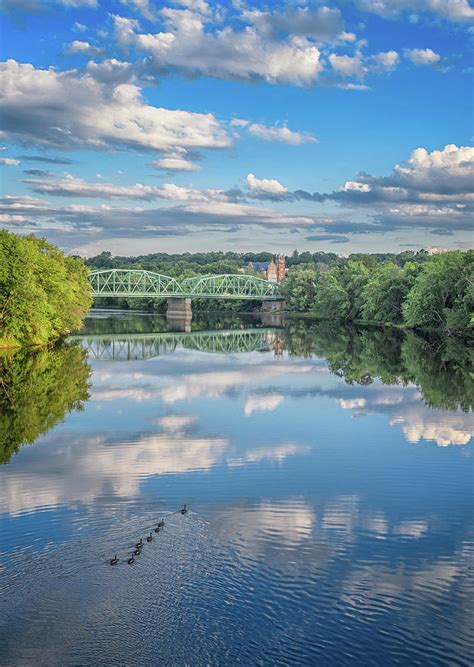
{"x": 44, "y": 294}
{"x": 187, "y": 265}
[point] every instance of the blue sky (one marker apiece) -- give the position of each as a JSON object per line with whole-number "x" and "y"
{"x": 141, "y": 126}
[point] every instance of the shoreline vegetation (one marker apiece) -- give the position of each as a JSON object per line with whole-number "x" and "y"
{"x": 44, "y": 294}
{"x": 409, "y": 290}
{"x": 435, "y": 295}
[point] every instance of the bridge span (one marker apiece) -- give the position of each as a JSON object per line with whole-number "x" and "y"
{"x": 136, "y": 283}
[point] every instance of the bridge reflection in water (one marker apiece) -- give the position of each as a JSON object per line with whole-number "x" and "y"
{"x": 125, "y": 347}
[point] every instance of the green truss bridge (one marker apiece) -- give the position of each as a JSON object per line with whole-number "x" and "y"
{"x": 136, "y": 283}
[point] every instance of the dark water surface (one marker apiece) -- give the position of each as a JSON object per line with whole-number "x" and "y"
{"x": 329, "y": 480}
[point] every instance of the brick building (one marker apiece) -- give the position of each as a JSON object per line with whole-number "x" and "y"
{"x": 273, "y": 271}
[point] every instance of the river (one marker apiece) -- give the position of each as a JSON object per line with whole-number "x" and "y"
{"x": 327, "y": 473}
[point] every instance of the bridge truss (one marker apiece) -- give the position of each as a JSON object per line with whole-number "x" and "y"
{"x": 229, "y": 286}
{"x": 132, "y": 282}
{"x": 136, "y": 283}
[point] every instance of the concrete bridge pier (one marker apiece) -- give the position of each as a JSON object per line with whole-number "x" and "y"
{"x": 272, "y": 314}
{"x": 179, "y": 314}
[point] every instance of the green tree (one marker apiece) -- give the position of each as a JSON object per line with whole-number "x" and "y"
{"x": 384, "y": 294}
{"x": 442, "y": 295}
{"x": 43, "y": 293}
{"x": 299, "y": 289}
{"x": 331, "y": 300}
{"x": 353, "y": 277}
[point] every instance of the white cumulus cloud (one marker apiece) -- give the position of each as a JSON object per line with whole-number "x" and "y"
{"x": 175, "y": 162}
{"x": 422, "y": 56}
{"x": 74, "y": 110}
{"x": 190, "y": 46}
{"x": 82, "y": 48}
{"x": 267, "y": 185}
{"x": 69, "y": 186}
{"x": 280, "y": 133}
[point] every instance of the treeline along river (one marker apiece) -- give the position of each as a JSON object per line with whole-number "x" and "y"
{"x": 327, "y": 473}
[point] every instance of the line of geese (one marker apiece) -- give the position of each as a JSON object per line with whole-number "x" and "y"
{"x": 140, "y": 544}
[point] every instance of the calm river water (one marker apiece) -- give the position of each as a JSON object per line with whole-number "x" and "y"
{"x": 328, "y": 475}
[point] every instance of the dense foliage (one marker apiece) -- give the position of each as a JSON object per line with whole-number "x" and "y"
{"x": 37, "y": 389}
{"x": 43, "y": 293}
{"x": 437, "y": 293}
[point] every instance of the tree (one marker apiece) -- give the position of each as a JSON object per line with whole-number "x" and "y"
{"x": 442, "y": 295}
{"x": 43, "y": 293}
{"x": 331, "y": 300}
{"x": 385, "y": 292}
{"x": 352, "y": 277}
{"x": 299, "y": 289}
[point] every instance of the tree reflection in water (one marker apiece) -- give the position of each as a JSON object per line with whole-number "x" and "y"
{"x": 37, "y": 389}
{"x": 441, "y": 367}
